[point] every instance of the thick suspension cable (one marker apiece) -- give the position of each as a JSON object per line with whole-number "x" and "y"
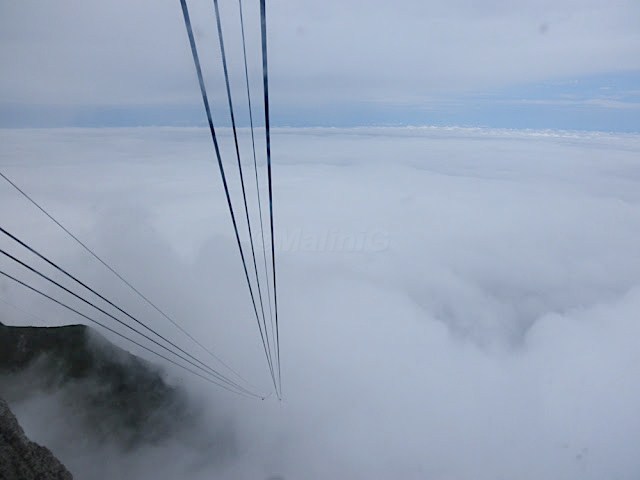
{"x": 265, "y": 83}
{"x": 203, "y": 91}
{"x": 225, "y": 69}
{"x": 255, "y": 167}
{"x": 120, "y": 277}
{"x": 104, "y": 312}
{"x": 212, "y": 371}
{"x": 41, "y": 293}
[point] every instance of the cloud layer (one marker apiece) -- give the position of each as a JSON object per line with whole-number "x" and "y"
{"x": 491, "y": 334}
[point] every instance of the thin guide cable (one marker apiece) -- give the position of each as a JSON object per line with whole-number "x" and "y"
{"x": 39, "y": 292}
{"x": 87, "y": 287}
{"x": 50, "y": 280}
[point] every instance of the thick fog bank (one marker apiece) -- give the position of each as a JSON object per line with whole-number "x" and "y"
{"x": 455, "y": 303}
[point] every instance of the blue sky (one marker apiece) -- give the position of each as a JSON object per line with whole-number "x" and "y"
{"x": 601, "y": 102}
{"x": 538, "y": 64}
{"x": 606, "y": 102}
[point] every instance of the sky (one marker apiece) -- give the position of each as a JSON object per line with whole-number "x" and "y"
{"x": 556, "y": 64}
{"x": 456, "y": 303}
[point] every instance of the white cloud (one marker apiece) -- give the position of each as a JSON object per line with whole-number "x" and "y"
{"x": 493, "y": 337}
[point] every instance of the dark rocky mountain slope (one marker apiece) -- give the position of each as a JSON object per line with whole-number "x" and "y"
{"x": 112, "y": 392}
{"x": 105, "y": 413}
{"x": 22, "y": 459}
